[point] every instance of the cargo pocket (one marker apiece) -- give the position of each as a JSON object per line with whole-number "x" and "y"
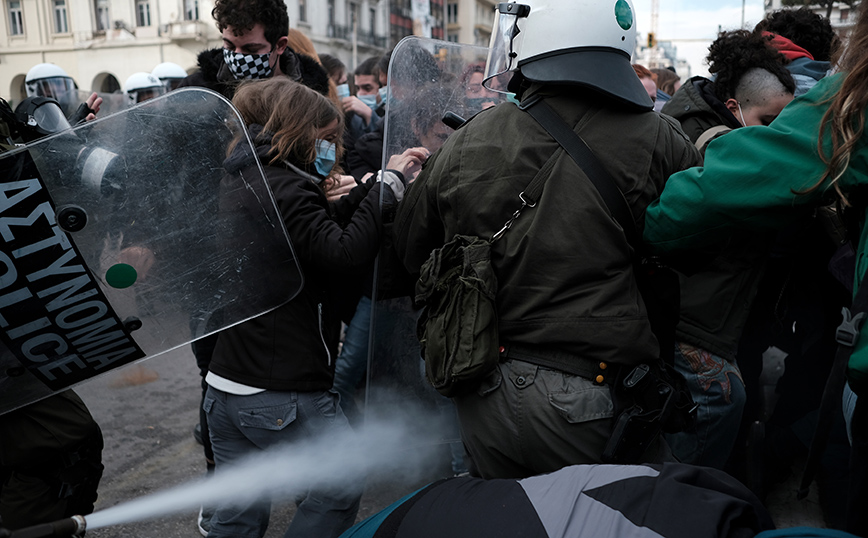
{"x": 273, "y": 418}
{"x": 581, "y": 401}
{"x": 490, "y": 382}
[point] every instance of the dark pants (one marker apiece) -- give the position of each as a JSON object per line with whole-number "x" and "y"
{"x": 51, "y": 460}
{"x": 526, "y": 420}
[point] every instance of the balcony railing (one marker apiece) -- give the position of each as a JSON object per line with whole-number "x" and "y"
{"x": 338, "y": 31}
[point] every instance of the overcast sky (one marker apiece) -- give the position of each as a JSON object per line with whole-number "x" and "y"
{"x": 695, "y": 20}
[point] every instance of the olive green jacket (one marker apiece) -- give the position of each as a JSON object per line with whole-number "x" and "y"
{"x": 564, "y": 268}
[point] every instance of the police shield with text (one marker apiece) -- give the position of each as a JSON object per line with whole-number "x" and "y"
{"x": 113, "y": 246}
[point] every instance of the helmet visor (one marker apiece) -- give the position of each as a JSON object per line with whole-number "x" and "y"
{"x": 49, "y": 118}
{"x": 501, "y": 54}
{"x": 52, "y": 87}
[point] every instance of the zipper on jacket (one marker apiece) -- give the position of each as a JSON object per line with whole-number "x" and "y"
{"x": 321, "y": 335}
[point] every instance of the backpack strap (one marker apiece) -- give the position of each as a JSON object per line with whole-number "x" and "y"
{"x": 709, "y": 134}
{"x": 847, "y": 335}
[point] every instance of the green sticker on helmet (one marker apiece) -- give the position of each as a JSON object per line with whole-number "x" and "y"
{"x": 624, "y": 14}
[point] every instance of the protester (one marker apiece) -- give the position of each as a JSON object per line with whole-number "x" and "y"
{"x": 648, "y": 80}
{"x": 335, "y": 68}
{"x": 278, "y": 368}
{"x": 478, "y": 97}
{"x": 798, "y": 302}
{"x": 579, "y": 501}
{"x": 806, "y": 39}
{"x": 814, "y": 152}
{"x": 360, "y": 107}
{"x": 668, "y": 83}
{"x": 254, "y": 47}
{"x": 750, "y": 87}
{"x": 569, "y": 313}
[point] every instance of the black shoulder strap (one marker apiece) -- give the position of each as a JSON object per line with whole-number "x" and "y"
{"x": 588, "y": 162}
{"x": 846, "y": 335}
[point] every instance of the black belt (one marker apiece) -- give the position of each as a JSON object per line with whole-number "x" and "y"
{"x": 598, "y": 372}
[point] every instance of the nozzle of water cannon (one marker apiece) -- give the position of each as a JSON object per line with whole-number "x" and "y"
{"x": 63, "y": 528}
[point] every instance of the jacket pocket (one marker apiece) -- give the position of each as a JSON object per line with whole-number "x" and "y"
{"x": 273, "y": 418}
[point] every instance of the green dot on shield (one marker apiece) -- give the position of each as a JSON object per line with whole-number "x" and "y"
{"x": 121, "y": 275}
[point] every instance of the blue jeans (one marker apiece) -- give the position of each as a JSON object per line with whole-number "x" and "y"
{"x": 351, "y": 364}
{"x": 241, "y": 425}
{"x": 717, "y": 387}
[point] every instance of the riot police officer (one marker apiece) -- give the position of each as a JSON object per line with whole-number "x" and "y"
{"x": 569, "y": 312}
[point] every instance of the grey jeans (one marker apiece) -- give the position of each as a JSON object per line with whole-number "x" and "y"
{"x": 241, "y": 425}
{"x": 526, "y": 420}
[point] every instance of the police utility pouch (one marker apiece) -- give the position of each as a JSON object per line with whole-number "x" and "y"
{"x": 458, "y": 328}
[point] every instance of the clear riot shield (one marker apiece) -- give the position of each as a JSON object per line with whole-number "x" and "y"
{"x": 427, "y": 80}
{"x": 126, "y": 237}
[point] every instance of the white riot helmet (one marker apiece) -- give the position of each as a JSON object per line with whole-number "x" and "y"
{"x": 169, "y": 74}
{"x": 143, "y": 86}
{"x": 48, "y": 80}
{"x": 579, "y": 42}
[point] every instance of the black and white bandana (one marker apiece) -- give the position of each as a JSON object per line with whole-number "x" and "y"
{"x": 247, "y": 66}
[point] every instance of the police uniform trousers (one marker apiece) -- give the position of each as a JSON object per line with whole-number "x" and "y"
{"x": 525, "y": 420}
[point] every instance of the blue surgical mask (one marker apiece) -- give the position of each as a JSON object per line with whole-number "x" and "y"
{"x": 343, "y": 90}
{"x": 370, "y": 100}
{"x": 325, "y": 157}
{"x": 383, "y": 93}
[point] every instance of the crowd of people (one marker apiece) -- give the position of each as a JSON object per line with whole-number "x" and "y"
{"x": 745, "y": 187}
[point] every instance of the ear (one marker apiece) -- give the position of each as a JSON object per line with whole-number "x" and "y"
{"x": 732, "y": 106}
{"x": 280, "y": 46}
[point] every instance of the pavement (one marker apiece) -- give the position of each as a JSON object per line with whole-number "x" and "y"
{"x": 147, "y": 412}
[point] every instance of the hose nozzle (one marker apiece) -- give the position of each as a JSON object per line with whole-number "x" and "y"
{"x": 63, "y": 528}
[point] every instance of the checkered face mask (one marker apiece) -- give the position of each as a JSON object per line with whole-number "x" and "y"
{"x": 247, "y": 66}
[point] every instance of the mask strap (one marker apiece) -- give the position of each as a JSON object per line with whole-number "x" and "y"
{"x": 740, "y": 113}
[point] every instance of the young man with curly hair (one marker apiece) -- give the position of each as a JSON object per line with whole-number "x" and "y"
{"x": 254, "y": 47}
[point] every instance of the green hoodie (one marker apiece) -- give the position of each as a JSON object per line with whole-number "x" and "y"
{"x": 749, "y": 183}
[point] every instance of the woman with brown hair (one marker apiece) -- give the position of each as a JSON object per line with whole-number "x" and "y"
{"x": 763, "y": 177}
{"x": 270, "y": 379}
